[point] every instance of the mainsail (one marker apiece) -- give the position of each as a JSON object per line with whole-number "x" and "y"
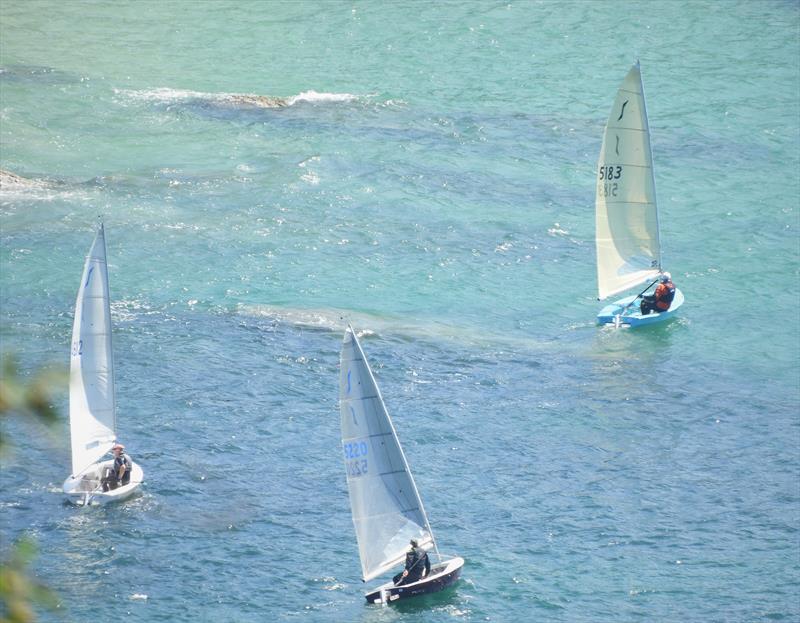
{"x": 91, "y": 386}
{"x": 627, "y": 237}
{"x": 387, "y": 510}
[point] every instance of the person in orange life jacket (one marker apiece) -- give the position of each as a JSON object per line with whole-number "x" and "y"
{"x": 416, "y": 562}
{"x": 662, "y": 299}
{"x": 120, "y": 473}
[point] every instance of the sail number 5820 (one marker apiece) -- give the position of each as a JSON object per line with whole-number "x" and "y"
{"x": 355, "y": 450}
{"x": 355, "y": 455}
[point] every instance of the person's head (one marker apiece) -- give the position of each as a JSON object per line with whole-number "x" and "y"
{"x": 665, "y": 277}
{"x": 117, "y": 448}
{"x": 414, "y": 542}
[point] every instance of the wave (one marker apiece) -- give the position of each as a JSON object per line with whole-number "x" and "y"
{"x": 14, "y": 187}
{"x": 391, "y": 327}
{"x": 37, "y": 74}
{"x": 236, "y": 100}
{"x": 332, "y": 320}
{"x": 12, "y": 181}
{"x": 313, "y": 96}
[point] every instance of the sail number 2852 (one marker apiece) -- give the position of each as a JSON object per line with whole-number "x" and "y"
{"x": 355, "y": 458}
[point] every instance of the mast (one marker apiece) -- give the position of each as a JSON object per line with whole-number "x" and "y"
{"x": 652, "y": 163}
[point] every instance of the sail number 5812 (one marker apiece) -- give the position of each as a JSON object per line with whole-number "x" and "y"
{"x": 607, "y": 189}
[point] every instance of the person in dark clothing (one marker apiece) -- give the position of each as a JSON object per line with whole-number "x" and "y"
{"x": 417, "y": 565}
{"x": 662, "y": 299}
{"x": 120, "y": 473}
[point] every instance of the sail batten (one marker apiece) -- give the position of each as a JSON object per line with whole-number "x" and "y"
{"x": 375, "y": 515}
{"x": 626, "y": 216}
{"x": 386, "y": 507}
{"x": 373, "y": 435}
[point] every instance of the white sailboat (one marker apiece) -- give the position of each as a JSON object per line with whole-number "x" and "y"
{"x": 386, "y": 506}
{"x": 627, "y": 235}
{"x": 92, "y": 414}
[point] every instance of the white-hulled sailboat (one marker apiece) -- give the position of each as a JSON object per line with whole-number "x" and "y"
{"x": 92, "y": 413}
{"x": 626, "y": 217}
{"x": 387, "y": 510}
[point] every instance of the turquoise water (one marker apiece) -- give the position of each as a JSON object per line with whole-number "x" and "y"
{"x": 428, "y": 174}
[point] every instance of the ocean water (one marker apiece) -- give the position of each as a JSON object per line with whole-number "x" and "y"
{"x": 267, "y": 171}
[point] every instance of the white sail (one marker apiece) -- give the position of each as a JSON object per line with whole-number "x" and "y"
{"x": 91, "y": 386}
{"x": 387, "y": 510}
{"x": 627, "y": 237}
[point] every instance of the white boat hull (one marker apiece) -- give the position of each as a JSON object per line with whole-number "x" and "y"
{"x": 86, "y": 488}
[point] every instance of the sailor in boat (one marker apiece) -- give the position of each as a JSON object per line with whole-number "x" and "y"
{"x": 417, "y": 565}
{"x": 662, "y": 299}
{"x": 120, "y": 474}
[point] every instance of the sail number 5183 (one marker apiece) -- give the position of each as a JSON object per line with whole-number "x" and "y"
{"x": 610, "y": 172}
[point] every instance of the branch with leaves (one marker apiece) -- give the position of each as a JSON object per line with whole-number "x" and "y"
{"x": 32, "y": 400}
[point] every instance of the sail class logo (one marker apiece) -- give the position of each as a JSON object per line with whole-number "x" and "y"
{"x": 622, "y": 110}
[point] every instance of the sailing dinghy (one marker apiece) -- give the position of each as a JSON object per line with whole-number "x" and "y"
{"x": 92, "y": 415}
{"x": 626, "y": 217}
{"x": 387, "y": 510}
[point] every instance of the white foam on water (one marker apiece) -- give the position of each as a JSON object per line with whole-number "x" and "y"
{"x": 167, "y": 95}
{"x": 325, "y": 319}
{"x": 14, "y": 187}
{"x": 314, "y": 96}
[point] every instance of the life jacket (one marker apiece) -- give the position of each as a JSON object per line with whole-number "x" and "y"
{"x": 665, "y": 292}
{"x": 417, "y": 562}
{"x": 121, "y": 460}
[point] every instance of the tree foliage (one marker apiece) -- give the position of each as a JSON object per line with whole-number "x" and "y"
{"x": 32, "y": 400}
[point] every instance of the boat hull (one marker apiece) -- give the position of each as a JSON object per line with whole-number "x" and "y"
{"x": 442, "y": 575}
{"x": 86, "y": 488}
{"x": 632, "y": 317}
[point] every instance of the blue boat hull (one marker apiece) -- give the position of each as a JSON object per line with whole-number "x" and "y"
{"x": 632, "y": 316}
